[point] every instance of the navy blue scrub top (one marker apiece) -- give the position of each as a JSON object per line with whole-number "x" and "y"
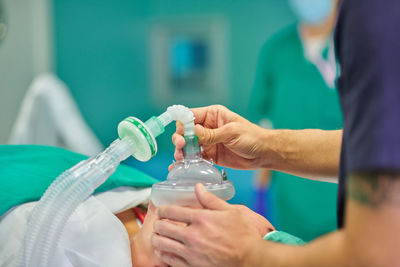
{"x": 367, "y": 40}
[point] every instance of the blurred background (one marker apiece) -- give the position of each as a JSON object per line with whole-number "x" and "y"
{"x": 125, "y": 58}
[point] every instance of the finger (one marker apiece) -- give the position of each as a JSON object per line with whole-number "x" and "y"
{"x": 212, "y": 136}
{"x": 176, "y": 213}
{"x": 178, "y": 154}
{"x": 170, "y": 230}
{"x": 179, "y": 127}
{"x": 176, "y": 222}
{"x": 178, "y": 140}
{"x": 209, "y": 200}
{"x": 171, "y": 259}
{"x": 166, "y": 244}
{"x": 151, "y": 209}
{"x": 170, "y": 167}
{"x": 200, "y": 114}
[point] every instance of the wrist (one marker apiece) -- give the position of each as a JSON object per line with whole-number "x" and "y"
{"x": 251, "y": 257}
{"x": 271, "y": 155}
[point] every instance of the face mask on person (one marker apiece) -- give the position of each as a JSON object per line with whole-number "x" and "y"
{"x": 312, "y": 12}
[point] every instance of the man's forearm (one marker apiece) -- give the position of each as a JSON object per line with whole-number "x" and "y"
{"x": 371, "y": 236}
{"x": 325, "y": 251}
{"x": 306, "y": 153}
{"x": 339, "y": 248}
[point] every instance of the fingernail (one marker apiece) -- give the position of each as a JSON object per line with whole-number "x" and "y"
{"x": 158, "y": 253}
{"x": 199, "y": 131}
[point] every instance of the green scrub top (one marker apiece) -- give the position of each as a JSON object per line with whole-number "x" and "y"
{"x": 290, "y": 91}
{"x": 27, "y": 170}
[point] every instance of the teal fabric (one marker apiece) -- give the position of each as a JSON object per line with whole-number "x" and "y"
{"x": 290, "y": 91}
{"x": 27, "y": 170}
{"x": 284, "y": 238}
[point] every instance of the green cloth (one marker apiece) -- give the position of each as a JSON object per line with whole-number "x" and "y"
{"x": 290, "y": 91}
{"x": 27, "y": 170}
{"x": 284, "y": 238}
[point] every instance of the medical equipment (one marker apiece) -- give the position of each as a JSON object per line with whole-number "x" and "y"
{"x": 178, "y": 189}
{"x": 76, "y": 184}
{"x": 72, "y": 187}
{"x": 140, "y": 216}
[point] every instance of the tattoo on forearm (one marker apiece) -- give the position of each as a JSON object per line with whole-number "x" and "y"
{"x": 374, "y": 189}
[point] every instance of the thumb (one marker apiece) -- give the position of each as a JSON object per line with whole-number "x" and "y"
{"x": 210, "y": 136}
{"x": 209, "y": 200}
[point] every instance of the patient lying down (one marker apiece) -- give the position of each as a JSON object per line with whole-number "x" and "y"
{"x": 94, "y": 236}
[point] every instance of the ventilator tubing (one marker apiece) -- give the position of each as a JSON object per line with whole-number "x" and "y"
{"x": 143, "y": 134}
{"x": 75, "y": 185}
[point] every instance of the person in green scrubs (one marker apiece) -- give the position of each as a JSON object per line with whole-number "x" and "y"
{"x": 295, "y": 89}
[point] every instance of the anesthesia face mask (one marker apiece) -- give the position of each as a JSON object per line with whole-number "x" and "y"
{"x": 178, "y": 189}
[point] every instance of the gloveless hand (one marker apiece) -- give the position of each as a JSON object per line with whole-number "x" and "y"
{"x": 218, "y": 235}
{"x": 227, "y": 138}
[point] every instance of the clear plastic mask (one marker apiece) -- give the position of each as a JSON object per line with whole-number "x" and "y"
{"x": 178, "y": 189}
